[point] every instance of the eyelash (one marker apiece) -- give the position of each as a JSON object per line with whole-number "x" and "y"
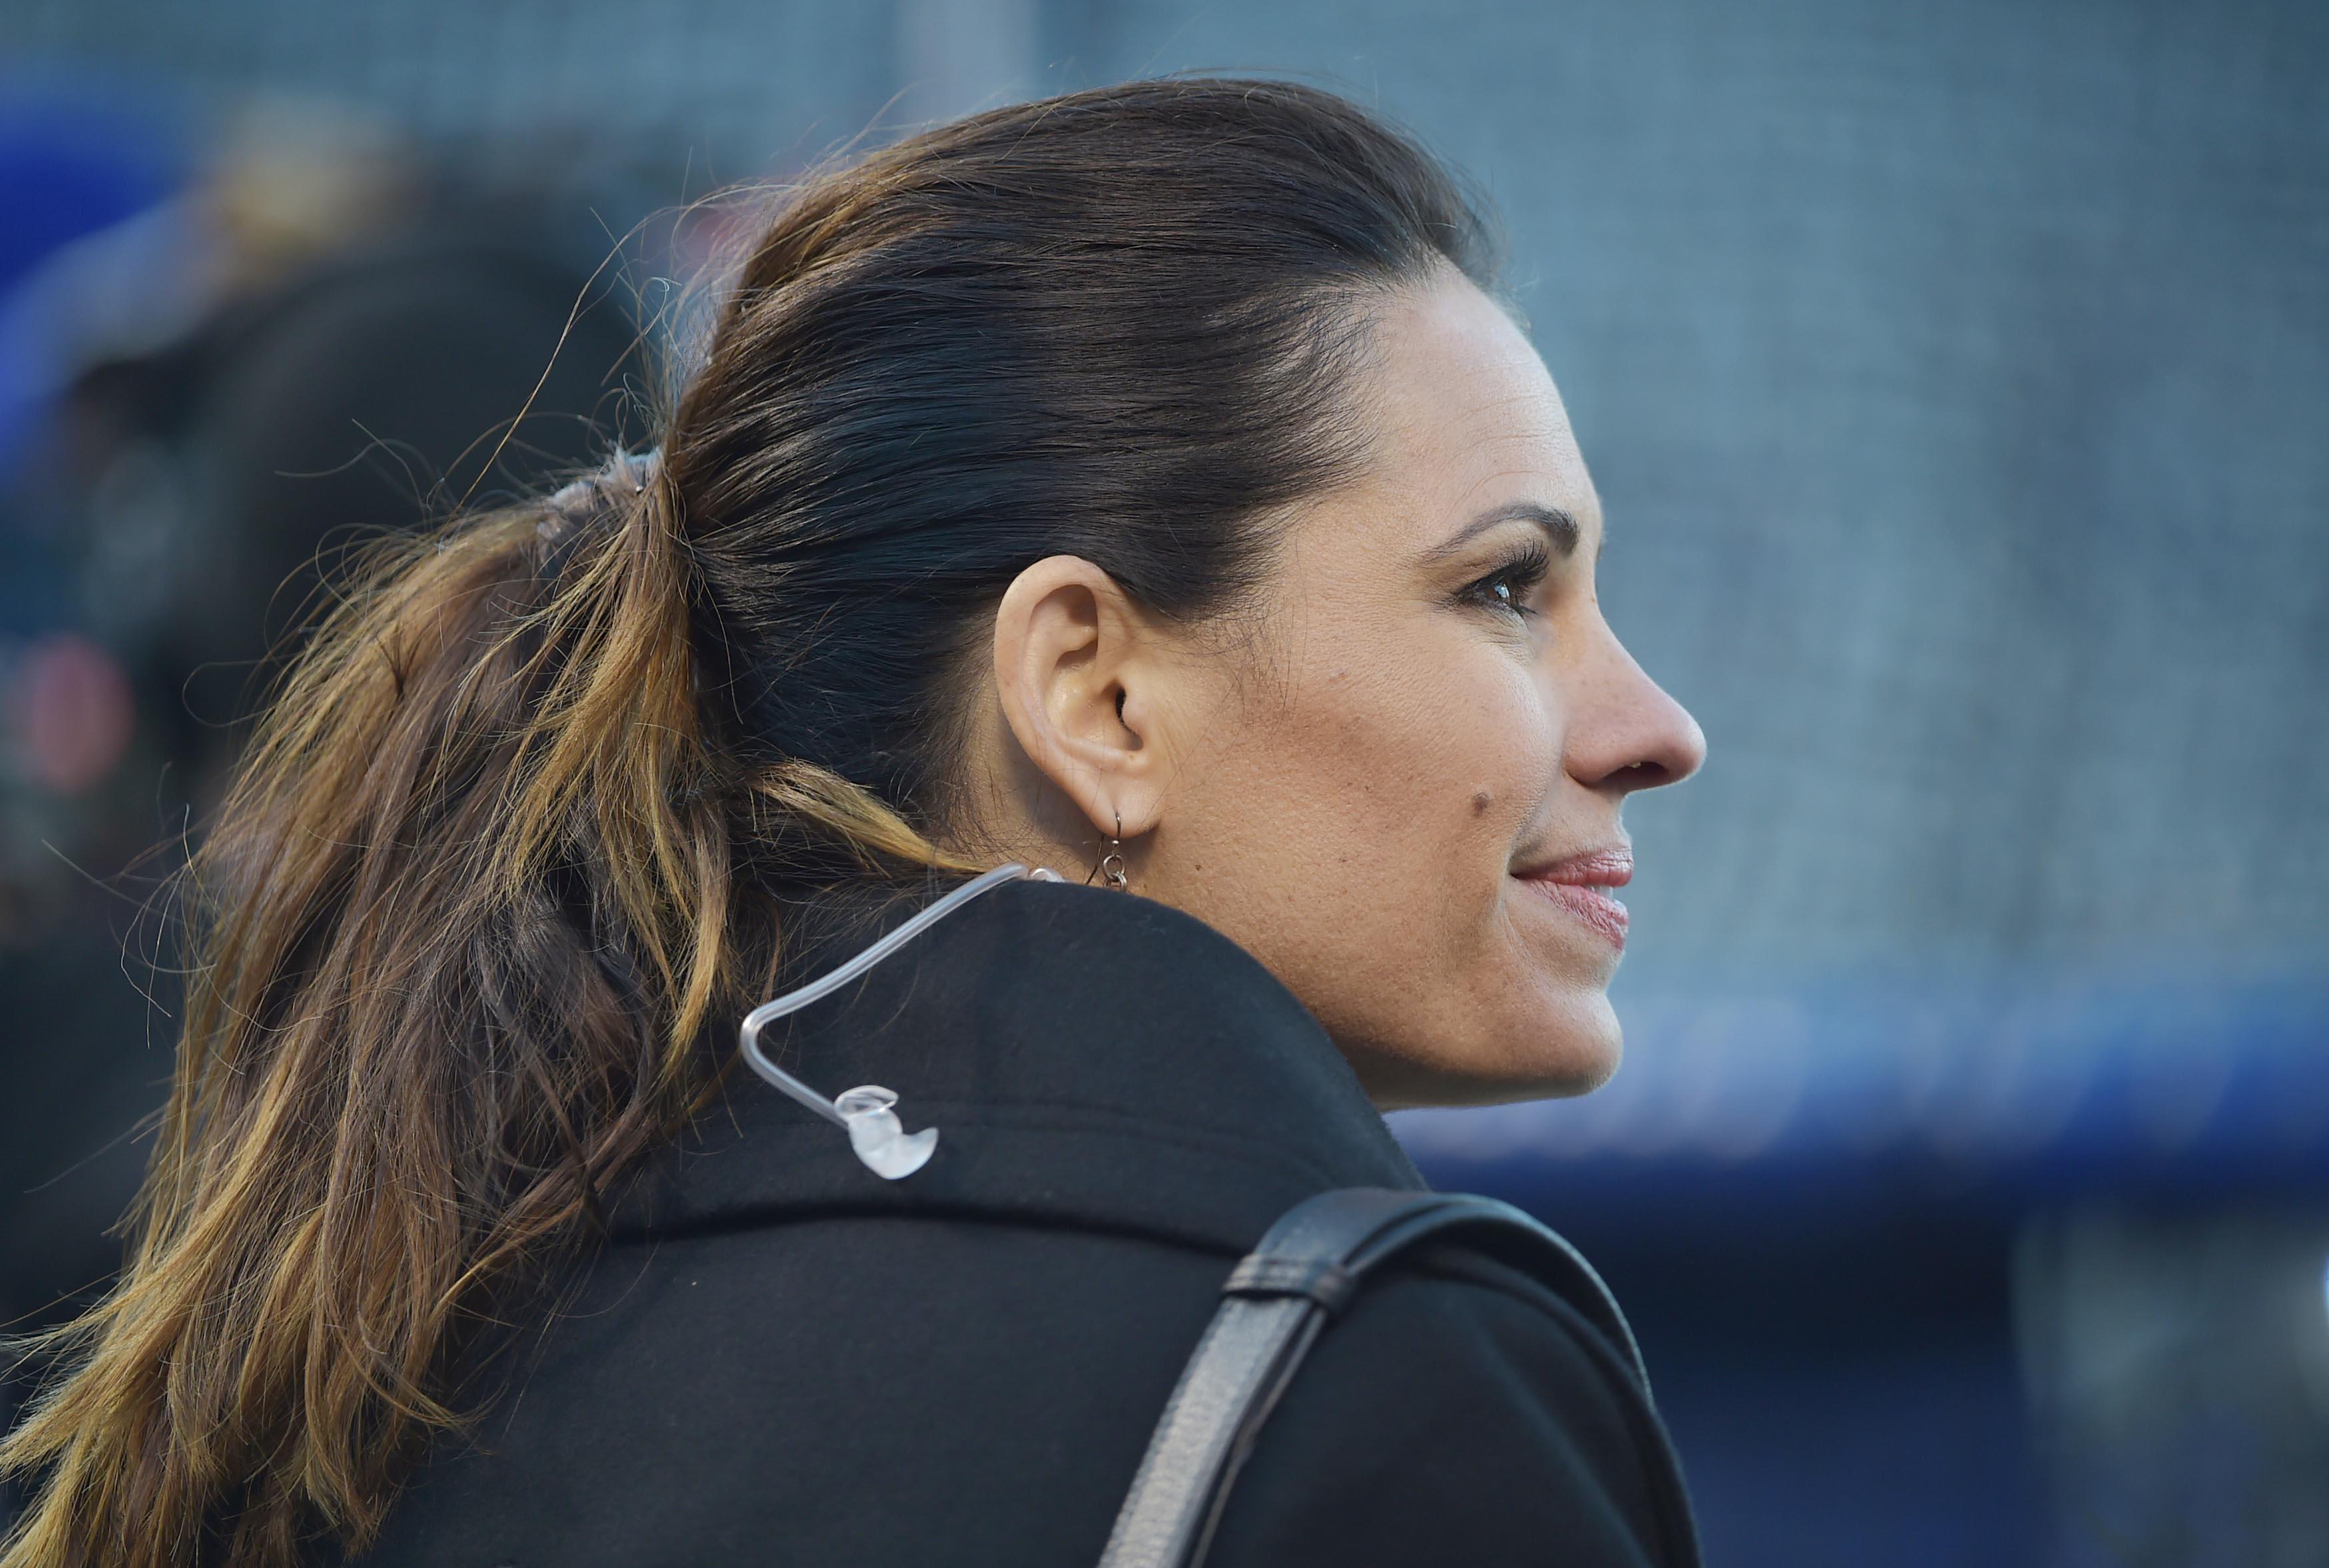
{"x": 1526, "y": 569}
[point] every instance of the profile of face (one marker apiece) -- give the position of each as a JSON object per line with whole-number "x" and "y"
{"x": 1395, "y": 775}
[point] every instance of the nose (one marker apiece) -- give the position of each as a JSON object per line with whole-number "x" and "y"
{"x": 1626, "y": 733}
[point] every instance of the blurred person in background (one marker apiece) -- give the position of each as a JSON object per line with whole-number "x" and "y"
{"x": 334, "y": 357}
{"x": 1149, "y": 479}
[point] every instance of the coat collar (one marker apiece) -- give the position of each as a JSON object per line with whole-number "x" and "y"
{"x": 1090, "y": 1058}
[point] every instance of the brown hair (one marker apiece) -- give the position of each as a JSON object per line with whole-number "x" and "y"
{"x": 516, "y": 840}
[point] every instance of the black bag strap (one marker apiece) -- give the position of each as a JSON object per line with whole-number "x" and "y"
{"x": 1275, "y": 1302}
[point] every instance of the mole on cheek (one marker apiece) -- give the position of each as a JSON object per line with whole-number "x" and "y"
{"x": 1482, "y": 800}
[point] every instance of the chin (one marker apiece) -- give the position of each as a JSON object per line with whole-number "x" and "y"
{"x": 1570, "y": 1044}
{"x": 1537, "y": 1066}
{"x": 1578, "y": 1069}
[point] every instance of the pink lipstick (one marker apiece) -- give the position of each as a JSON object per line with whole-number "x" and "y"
{"x": 1584, "y": 885}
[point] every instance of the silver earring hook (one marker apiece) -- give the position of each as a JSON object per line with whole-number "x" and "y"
{"x": 867, "y": 1113}
{"x": 1110, "y": 869}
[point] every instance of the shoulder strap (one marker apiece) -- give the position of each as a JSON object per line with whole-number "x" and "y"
{"x": 1275, "y": 1302}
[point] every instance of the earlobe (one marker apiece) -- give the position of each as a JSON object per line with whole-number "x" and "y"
{"x": 1069, "y": 648}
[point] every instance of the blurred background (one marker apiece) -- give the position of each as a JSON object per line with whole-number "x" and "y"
{"x": 1957, "y": 379}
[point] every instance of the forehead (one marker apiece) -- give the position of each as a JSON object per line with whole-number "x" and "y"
{"x": 1467, "y": 415}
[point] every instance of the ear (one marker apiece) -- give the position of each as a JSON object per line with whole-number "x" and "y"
{"x": 1080, "y": 669}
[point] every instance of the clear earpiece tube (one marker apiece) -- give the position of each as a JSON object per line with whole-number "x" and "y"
{"x": 868, "y": 1113}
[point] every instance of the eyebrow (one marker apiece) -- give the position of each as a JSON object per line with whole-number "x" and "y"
{"x": 1559, "y": 526}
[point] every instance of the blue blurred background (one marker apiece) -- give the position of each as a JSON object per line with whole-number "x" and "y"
{"x": 1958, "y": 382}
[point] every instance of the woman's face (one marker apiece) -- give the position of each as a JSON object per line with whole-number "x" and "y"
{"x": 1398, "y": 782}
{"x": 1404, "y": 807}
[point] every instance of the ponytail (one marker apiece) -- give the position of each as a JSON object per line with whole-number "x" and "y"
{"x": 459, "y": 929}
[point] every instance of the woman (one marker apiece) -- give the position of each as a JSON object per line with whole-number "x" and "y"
{"x": 1148, "y": 484}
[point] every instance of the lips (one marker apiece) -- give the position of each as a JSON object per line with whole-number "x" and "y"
{"x": 1581, "y": 884}
{"x": 1597, "y": 909}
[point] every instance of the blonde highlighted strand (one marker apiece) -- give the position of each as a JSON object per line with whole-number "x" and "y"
{"x": 480, "y": 812}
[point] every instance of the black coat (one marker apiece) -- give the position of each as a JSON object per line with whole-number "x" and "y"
{"x": 780, "y": 1358}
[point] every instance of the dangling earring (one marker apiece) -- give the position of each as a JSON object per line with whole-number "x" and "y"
{"x": 1110, "y": 868}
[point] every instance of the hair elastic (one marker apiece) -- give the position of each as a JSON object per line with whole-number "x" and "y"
{"x": 571, "y": 506}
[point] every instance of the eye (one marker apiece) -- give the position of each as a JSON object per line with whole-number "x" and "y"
{"x": 1508, "y": 587}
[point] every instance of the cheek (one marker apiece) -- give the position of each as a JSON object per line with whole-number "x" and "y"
{"x": 1434, "y": 752}
{"x": 1413, "y": 769}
